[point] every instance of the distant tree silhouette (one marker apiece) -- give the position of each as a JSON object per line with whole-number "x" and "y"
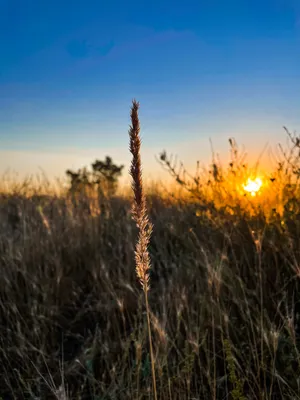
{"x": 104, "y": 176}
{"x": 106, "y": 173}
{"x": 79, "y": 180}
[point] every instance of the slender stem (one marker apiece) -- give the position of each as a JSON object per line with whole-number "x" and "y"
{"x": 150, "y": 344}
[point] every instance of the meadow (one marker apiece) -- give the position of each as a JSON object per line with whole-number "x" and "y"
{"x": 223, "y": 291}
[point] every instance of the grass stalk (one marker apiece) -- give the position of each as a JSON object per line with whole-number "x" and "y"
{"x": 139, "y": 214}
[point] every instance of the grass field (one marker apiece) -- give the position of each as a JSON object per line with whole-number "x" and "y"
{"x": 223, "y": 299}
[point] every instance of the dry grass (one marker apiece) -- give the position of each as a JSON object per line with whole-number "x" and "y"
{"x": 139, "y": 212}
{"x": 223, "y": 305}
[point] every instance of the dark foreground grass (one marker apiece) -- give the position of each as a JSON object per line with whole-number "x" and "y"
{"x": 223, "y": 306}
{"x": 224, "y": 302}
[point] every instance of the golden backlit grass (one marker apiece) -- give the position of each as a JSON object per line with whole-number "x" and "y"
{"x": 140, "y": 216}
{"x": 224, "y": 297}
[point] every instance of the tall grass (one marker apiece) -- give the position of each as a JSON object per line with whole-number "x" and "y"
{"x": 139, "y": 212}
{"x": 223, "y": 304}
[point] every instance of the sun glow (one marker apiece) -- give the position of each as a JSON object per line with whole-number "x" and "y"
{"x": 253, "y": 186}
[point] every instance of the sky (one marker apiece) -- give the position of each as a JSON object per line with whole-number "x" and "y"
{"x": 200, "y": 69}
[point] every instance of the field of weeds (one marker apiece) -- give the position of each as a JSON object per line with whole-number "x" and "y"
{"x": 223, "y": 299}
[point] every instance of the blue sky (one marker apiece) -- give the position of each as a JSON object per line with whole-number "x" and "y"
{"x": 200, "y": 69}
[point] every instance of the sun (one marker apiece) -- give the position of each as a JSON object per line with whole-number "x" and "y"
{"x": 253, "y": 186}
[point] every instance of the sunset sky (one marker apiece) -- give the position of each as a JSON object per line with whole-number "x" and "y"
{"x": 200, "y": 69}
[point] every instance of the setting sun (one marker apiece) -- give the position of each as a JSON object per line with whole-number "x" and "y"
{"x": 253, "y": 186}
